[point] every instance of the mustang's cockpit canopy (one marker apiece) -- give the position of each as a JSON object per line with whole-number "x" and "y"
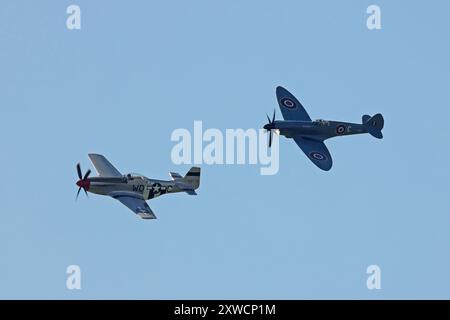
{"x": 135, "y": 176}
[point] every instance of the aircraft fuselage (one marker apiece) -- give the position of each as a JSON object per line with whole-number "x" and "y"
{"x": 148, "y": 188}
{"x": 319, "y": 129}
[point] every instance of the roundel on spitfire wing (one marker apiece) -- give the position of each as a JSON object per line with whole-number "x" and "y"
{"x": 288, "y": 103}
{"x": 317, "y": 156}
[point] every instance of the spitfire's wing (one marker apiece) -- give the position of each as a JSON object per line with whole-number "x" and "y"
{"x": 290, "y": 107}
{"x": 316, "y": 151}
{"x": 135, "y": 203}
{"x": 103, "y": 166}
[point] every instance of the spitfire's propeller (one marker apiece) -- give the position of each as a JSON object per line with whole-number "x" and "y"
{"x": 83, "y": 182}
{"x": 270, "y": 126}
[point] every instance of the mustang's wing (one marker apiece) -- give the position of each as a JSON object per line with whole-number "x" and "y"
{"x": 135, "y": 203}
{"x": 103, "y": 166}
{"x": 316, "y": 151}
{"x": 290, "y": 107}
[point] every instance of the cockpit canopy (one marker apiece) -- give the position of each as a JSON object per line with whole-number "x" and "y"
{"x": 134, "y": 176}
{"x": 321, "y": 122}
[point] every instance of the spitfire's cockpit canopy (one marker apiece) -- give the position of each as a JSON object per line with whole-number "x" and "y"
{"x": 321, "y": 122}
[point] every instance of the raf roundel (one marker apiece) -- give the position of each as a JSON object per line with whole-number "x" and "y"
{"x": 288, "y": 103}
{"x": 317, "y": 156}
{"x": 340, "y": 129}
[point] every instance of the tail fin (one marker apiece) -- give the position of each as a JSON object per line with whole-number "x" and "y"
{"x": 192, "y": 177}
{"x": 374, "y": 125}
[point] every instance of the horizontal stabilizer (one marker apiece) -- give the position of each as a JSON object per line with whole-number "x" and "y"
{"x": 374, "y": 125}
{"x": 365, "y": 118}
{"x": 175, "y": 175}
{"x": 189, "y": 182}
{"x": 185, "y": 187}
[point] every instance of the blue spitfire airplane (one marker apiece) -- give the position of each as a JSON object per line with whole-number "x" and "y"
{"x": 310, "y": 135}
{"x": 134, "y": 189}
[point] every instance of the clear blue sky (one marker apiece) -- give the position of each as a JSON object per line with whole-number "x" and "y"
{"x": 138, "y": 70}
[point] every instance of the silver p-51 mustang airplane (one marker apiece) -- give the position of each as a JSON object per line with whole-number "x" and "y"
{"x": 133, "y": 189}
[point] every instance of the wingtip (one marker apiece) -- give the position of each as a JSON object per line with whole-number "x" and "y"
{"x": 326, "y": 168}
{"x": 280, "y": 88}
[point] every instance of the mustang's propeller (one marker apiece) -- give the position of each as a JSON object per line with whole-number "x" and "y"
{"x": 270, "y": 126}
{"x": 83, "y": 182}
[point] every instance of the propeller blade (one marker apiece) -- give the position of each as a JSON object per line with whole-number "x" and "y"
{"x": 86, "y": 192}
{"x": 79, "y": 171}
{"x": 86, "y": 175}
{"x": 78, "y": 193}
{"x": 270, "y": 139}
{"x": 273, "y": 118}
{"x": 268, "y": 119}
